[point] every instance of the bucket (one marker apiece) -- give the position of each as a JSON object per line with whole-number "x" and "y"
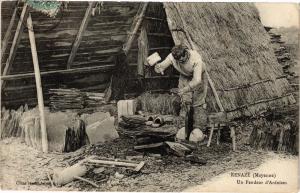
{"x": 153, "y": 59}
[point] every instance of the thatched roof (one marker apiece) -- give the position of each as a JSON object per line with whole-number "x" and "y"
{"x": 237, "y": 50}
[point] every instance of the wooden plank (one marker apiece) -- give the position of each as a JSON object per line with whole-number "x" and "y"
{"x": 135, "y": 29}
{"x": 65, "y": 71}
{"x": 149, "y": 146}
{"x": 38, "y": 84}
{"x": 143, "y": 48}
{"x": 78, "y": 38}
{"x": 8, "y": 32}
{"x": 15, "y": 43}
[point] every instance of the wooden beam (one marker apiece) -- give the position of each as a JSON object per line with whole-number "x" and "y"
{"x": 135, "y": 29}
{"x": 62, "y": 72}
{"x": 15, "y": 42}
{"x": 8, "y": 32}
{"x": 143, "y": 48}
{"x": 39, "y": 89}
{"x": 194, "y": 47}
{"x": 81, "y": 30}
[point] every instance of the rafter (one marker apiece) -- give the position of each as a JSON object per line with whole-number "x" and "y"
{"x": 81, "y": 30}
{"x": 15, "y": 42}
{"x": 8, "y": 32}
{"x": 135, "y": 29}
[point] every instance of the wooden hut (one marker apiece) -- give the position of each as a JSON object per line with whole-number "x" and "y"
{"x": 79, "y": 49}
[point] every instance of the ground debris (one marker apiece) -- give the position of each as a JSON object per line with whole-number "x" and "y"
{"x": 160, "y": 173}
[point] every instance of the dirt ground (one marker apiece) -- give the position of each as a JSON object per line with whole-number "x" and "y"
{"x": 24, "y": 168}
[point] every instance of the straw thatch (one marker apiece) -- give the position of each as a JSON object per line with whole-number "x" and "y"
{"x": 159, "y": 103}
{"x": 236, "y": 48}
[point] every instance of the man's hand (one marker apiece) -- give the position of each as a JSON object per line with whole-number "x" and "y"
{"x": 158, "y": 69}
{"x": 180, "y": 92}
{"x": 183, "y": 90}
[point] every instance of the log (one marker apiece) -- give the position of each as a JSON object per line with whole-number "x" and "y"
{"x": 136, "y": 166}
{"x": 67, "y": 175}
{"x": 149, "y": 146}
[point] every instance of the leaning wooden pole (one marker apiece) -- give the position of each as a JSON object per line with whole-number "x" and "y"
{"x": 8, "y": 32}
{"x": 15, "y": 43}
{"x": 81, "y": 30}
{"x": 38, "y": 84}
{"x": 137, "y": 26}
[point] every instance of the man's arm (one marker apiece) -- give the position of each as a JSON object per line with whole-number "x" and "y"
{"x": 160, "y": 67}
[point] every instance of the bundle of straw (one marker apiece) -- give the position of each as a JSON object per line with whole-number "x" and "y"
{"x": 160, "y": 103}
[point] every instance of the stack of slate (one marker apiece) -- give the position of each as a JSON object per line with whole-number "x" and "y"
{"x": 94, "y": 99}
{"x": 10, "y": 122}
{"x": 63, "y": 99}
{"x": 280, "y": 50}
{"x": 134, "y": 126}
{"x": 284, "y": 51}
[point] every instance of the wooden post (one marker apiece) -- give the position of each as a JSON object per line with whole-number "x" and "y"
{"x": 218, "y": 134}
{"x": 15, "y": 42}
{"x": 233, "y": 138}
{"x": 8, "y": 32}
{"x": 81, "y": 30}
{"x": 210, "y": 134}
{"x": 143, "y": 51}
{"x": 38, "y": 84}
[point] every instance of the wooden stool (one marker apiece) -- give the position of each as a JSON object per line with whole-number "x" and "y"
{"x": 218, "y": 121}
